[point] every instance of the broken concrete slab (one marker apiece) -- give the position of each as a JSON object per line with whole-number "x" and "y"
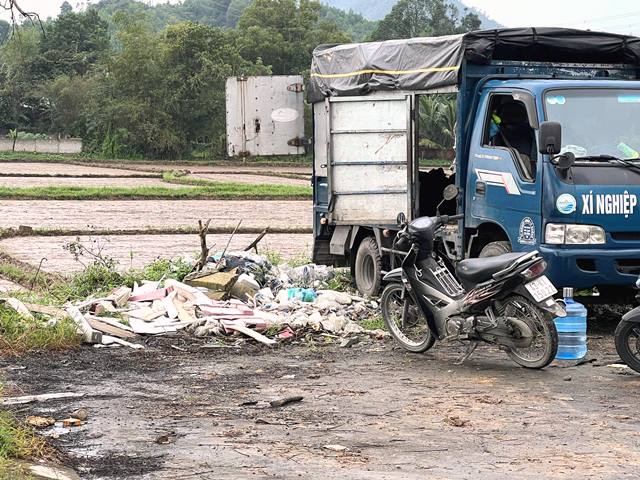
{"x": 109, "y": 329}
{"x": 18, "y": 307}
{"x": 90, "y": 335}
{"x": 218, "y": 282}
{"x": 244, "y": 288}
{"x": 50, "y": 472}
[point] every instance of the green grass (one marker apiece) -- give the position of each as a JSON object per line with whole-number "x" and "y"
{"x": 274, "y": 257}
{"x": 435, "y": 162}
{"x": 19, "y": 335}
{"x": 341, "y": 282}
{"x": 373, "y": 323}
{"x": 217, "y": 190}
{"x": 18, "y": 442}
{"x": 293, "y": 160}
{"x": 19, "y": 275}
{"x": 12, "y": 470}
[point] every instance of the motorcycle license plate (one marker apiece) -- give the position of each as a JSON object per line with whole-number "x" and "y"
{"x": 541, "y": 288}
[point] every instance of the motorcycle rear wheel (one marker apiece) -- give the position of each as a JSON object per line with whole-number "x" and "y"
{"x": 412, "y": 333}
{"x": 627, "y": 338}
{"x": 544, "y": 346}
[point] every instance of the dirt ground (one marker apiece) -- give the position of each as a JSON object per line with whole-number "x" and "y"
{"x": 144, "y": 214}
{"x": 106, "y": 181}
{"x": 252, "y": 179}
{"x": 48, "y": 168}
{"x": 226, "y": 168}
{"x": 169, "y": 414}
{"x": 139, "y": 250}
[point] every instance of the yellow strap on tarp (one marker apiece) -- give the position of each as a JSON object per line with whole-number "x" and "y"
{"x": 387, "y": 72}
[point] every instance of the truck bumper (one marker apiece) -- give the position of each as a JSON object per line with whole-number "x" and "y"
{"x": 585, "y": 268}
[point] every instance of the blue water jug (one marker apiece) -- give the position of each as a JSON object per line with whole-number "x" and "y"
{"x": 572, "y": 329}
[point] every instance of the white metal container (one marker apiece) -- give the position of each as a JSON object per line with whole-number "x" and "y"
{"x": 265, "y": 115}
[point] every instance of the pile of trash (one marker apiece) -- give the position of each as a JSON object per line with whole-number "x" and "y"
{"x": 238, "y": 293}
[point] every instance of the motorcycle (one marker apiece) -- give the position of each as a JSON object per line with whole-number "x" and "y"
{"x": 505, "y": 300}
{"x": 627, "y": 336}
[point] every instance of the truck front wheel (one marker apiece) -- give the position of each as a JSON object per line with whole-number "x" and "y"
{"x": 494, "y": 249}
{"x": 368, "y": 267}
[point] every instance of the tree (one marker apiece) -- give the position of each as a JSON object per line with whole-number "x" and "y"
{"x": 65, "y": 8}
{"x": 198, "y": 59}
{"x": 20, "y": 107}
{"x": 5, "y": 31}
{"x": 71, "y": 45}
{"x": 424, "y": 18}
{"x": 283, "y": 33}
{"x": 437, "y": 120}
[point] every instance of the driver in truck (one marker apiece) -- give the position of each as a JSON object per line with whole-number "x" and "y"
{"x": 512, "y": 130}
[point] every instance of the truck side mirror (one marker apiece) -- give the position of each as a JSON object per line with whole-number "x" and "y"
{"x": 550, "y": 138}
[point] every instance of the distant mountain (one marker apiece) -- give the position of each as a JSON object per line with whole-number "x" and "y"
{"x": 377, "y": 9}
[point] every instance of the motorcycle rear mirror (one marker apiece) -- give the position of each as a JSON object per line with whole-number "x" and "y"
{"x": 401, "y": 219}
{"x": 450, "y": 192}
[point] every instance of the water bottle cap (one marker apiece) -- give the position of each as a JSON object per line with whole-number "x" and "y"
{"x": 567, "y": 292}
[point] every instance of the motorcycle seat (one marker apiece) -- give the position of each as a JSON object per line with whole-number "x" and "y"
{"x": 477, "y": 270}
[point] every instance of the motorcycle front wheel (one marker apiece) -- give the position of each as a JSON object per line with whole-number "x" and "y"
{"x": 544, "y": 344}
{"x": 404, "y": 320}
{"x": 627, "y": 338}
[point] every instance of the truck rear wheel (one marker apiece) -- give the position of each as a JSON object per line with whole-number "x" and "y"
{"x": 494, "y": 249}
{"x": 368, "y": 267}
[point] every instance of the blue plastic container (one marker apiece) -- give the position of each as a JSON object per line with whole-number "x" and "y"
{"x": 572, "y": 329}
{"x": 302, "y": 294}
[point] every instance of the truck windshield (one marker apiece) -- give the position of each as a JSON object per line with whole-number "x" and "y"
{"x": 597, "y": 123}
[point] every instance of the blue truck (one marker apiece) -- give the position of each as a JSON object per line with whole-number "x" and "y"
{"x": 573, "y": 198}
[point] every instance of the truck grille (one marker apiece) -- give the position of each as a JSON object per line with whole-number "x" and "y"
{"x": 626, "y": 236}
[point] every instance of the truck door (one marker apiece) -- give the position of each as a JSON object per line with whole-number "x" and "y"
{"x": 504, "y": 181}
{"x": 370, "y": 159}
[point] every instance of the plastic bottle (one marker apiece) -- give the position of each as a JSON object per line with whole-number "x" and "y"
{"x": 628, "y": 152}
{"x": 572, "y": 329}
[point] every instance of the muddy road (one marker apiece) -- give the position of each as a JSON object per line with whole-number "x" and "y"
{"x": 179, "y": 414}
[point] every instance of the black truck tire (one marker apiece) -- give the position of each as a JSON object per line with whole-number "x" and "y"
{"x": 368, "y": 267}
{"x": 494, "y": 249}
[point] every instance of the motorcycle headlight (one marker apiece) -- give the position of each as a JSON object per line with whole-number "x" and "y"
{"x": 562, "y": 234}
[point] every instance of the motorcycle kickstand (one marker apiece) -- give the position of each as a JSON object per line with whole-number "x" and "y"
{"x": 470, "y": 349}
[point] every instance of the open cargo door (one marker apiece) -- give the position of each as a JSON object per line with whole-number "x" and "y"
{"x": 370, "y": 150}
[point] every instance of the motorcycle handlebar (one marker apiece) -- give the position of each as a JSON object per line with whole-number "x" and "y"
{"x": 442, "y": 219}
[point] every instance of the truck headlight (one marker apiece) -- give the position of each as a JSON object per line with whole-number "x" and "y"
{"x": 554, "y": 234}
{"x": 561, "y": 234}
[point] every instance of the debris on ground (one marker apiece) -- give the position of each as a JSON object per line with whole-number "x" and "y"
{"x": 39, "y": 398}
{"x": 456, "y": 421}
{"x": 40, "y": 422}
{"x": 233, "y": 294}
{"x": 285, "y": 401}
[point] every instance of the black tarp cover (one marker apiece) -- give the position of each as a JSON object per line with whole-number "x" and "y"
{"x": 433, "y": 62}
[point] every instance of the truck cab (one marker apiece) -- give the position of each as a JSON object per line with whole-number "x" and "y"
{"x": 576, "y": 203}
{"x": 583, "y": 218}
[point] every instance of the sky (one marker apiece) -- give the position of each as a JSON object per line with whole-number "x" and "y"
{"x": 619, "y": 16}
